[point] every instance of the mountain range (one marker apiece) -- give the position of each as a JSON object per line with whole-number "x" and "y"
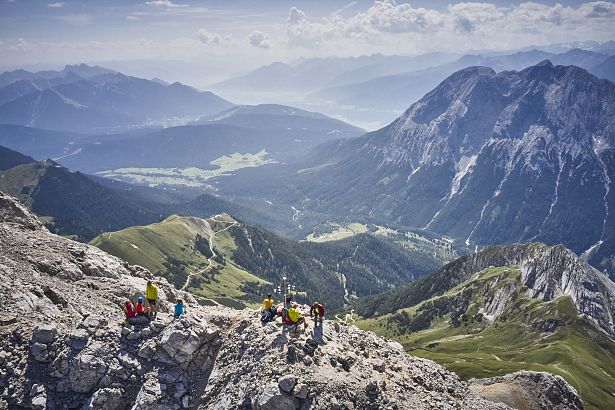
{"x": 485, "y": 158}
{"x": 236, "y": 138}
{"x": 392, "y": 93}
{"x": 373, "y": 90}
{"x": 94, "y": 100}
{"x": 508, "y": 307}
{"x": 315, "y": 73}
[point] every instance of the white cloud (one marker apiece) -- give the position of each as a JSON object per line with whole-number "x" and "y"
{"x": 207, "y": 37}
{"x": 387, "y": 23}
{"x": 259, "y": 39}
{"x": 132, "y": 17}
{"x": 56, "y": 5}
{"x": 164, "y": 3}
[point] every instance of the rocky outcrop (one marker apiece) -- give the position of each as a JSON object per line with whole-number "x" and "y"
{"x": 529, "y": 390}
{"x": 63, "y": 344}
{"x": 547, "y": 273}
{"x": 12, "y": 211}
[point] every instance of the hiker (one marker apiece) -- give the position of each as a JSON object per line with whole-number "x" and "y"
{"x": 269, "y": 310}
{"x": 151, "y": 293}
{"x": 180, "y": 309}
{"x": 140, "y": 309}
{"x": 294, "y": 316}
{"x": 129, "y": 310}
{"x": 317, "y": 311}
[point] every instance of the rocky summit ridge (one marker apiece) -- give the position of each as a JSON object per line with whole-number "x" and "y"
{"x": 63, "y": 345}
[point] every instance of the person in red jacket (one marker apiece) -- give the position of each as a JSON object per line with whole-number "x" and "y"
{"x": 317, "y": 311}
{"x": 129, "y": 310}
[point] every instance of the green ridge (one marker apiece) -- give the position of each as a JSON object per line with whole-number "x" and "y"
{"x": 473, "y": 346}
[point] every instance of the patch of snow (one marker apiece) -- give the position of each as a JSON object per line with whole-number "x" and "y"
{"x": 414, "y": 171}
{"x": 75, "y": 152}
{"x": 228, "y": 114}
{"x": 561, "y": 167}
{"x": 482, "y": 212}
{"x": 134, "y": 246}
{"x": 296, "y": 214}
{"x": 465, "y": 165}
{"x": 67, "y": 100}
{"x": 607, "y": 187}
{"x": 588, "y": 253}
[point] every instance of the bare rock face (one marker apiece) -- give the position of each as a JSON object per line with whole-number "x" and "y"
{"x": 529, "y": 390}
{"x": 64, "y": 344}
{"x": 11, "y": 211}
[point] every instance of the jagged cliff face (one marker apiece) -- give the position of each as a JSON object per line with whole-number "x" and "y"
{"x": 486, "y": 158}
{"x": 546, "y": 274}
{"x": 62, "y": 345}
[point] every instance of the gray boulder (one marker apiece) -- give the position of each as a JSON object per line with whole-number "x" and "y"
{"x": 271, "y": 398}
{"x": 45, "y": 334}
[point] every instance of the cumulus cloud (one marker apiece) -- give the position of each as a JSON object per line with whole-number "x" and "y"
{"x": 259, "y": 39}
{"x": 470, "y": 24}
{"x": 56, "y": 5}
{"x": 208, "y": 37}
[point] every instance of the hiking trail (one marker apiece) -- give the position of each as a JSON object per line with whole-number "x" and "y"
{"x": 211, "y": 248}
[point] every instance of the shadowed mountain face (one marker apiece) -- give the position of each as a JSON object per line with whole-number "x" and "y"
{"x": 10, "y": 158}
{"x": 72, "y": 203}
{"x": 91, "y": 100}
{"x": 485, "y": 158}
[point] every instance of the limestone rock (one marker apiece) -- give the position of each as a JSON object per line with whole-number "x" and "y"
{"x": 530, "y": 390}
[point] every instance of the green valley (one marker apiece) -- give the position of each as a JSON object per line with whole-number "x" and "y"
{"x": 242, "y": 262}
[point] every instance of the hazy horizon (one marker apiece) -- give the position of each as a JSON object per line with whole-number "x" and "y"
{"x": 201, "y": 43}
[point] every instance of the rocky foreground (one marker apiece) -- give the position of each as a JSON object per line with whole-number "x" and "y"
{"x": 63, "y": 345}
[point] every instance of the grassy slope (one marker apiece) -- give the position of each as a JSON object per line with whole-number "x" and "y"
{"x": 584, "y": 356}
{"x": 153, "y": 246}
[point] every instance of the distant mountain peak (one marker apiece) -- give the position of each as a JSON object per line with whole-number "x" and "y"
{"x": 544, "y": 63}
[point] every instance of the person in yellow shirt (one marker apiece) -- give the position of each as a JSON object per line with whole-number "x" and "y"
{"x": 295, "y": 317}
{"x": 269, "y": 310}
{"x": 151, "y": 294}
{"x": 267, "y": 303}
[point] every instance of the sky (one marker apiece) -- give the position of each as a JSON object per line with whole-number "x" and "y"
{"x": 202, "y": 42}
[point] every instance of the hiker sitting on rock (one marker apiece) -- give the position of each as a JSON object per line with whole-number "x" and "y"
{"x": 151, "y": 293}
{"x": 317, "y": 311}
{"x": 294, "y": 316}
{"x": 139, "y": 307}
{"x": 269, "y": 310}
{"x": 180, "y": 309}
{"x": 129, "y": 310}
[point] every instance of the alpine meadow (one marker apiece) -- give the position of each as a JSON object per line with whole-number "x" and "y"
{"x": 307, "y": 205}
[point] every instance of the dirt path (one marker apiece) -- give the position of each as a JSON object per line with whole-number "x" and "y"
{"x": 211, "y": 248}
